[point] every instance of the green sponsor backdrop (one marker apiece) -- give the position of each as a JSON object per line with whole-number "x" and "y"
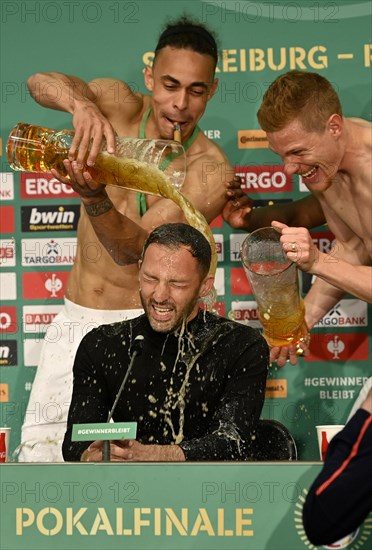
{"x": 258, "y": 41}
{"x": 185, "y": 506}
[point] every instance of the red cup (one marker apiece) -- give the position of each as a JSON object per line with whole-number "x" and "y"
{"x": 4, "y": 443}
{"x": 325, "y": 434}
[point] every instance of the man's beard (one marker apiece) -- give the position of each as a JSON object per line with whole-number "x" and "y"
{"x": 175, "y": 322}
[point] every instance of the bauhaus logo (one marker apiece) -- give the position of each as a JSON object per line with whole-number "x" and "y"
{"x": 264, "y": 179}
{"x": 245, "y": 312}
{"x": 36, "y": 319}
{"x": 7, "y": 252}
{"x": 41, "y": 186}
{"x": 50, "y": 218}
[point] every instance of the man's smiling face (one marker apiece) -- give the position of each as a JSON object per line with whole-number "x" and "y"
{"x": 181, "y": 82}
{"x": 316, "y": 156}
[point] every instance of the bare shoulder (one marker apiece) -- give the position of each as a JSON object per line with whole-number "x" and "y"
{"x": 360, "y": 122}
{"x": 207, "y": 158}
{"x": 208, "y": 170}
{"x": 362, "y": 129}
{"x": 115, "y": 97}
{"x": 204, "y": 146}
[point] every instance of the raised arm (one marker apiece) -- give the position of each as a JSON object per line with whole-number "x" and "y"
{"x": 342, "y": 275}
{"x": 71, "y": 94}
{"x": 345, "y": 269}
{"x": 326, "y": 291}
{"x": 122, "y": 237}
{"x": 60, "y": 91}
{"x": 240, "y": 214}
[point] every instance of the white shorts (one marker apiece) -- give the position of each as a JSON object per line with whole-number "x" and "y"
{"x": 45, "y": 420}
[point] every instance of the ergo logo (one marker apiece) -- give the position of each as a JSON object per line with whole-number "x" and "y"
{"x": 264, "y": 178}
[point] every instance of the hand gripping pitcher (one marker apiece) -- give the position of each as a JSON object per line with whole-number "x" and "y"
{"x": 152, "y": 166}
{"x": 275, "y": 283}
{"x": 138, "y": 164}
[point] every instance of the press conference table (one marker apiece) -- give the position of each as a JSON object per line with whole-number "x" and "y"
{"x": 196, "y": 506}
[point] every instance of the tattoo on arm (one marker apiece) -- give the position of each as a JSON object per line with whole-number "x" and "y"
{"x": 98, "y": 208}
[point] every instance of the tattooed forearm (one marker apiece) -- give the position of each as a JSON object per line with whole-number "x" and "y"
{"x": 98, "y": 208}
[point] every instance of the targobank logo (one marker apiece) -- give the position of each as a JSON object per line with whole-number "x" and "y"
{"x": 6, "y": 186}
{"x": 346, "y": 313}
{"x": 48, "y": 251}
{"x": 236, "y": 241}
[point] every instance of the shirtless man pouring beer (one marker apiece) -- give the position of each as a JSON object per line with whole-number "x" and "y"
{"x": 181, "y": 82}
{"x": 302, "y": 116}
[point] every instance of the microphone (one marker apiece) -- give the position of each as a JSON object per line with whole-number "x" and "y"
{"x": 135, "y": 350}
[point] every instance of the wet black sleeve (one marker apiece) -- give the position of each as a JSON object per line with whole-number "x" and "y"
{"x": 233, "y": 423}
{"x": 90, "y": 396}
{"x": 341, "y": 496}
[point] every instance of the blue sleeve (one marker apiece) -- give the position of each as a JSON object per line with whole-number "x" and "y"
{"x": 339, "y": 501}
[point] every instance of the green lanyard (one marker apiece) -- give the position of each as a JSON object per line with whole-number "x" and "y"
{"x": 141, "y": 197}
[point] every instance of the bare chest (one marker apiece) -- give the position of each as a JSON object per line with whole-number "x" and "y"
{"x": 348, "y": 208}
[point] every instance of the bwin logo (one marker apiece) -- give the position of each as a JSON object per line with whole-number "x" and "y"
{"x": 49, "y": 217}
{"x": 4, "y": 352}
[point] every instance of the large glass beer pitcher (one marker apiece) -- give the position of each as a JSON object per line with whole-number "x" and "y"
{"x": 275, "y": 283}
{"x": 136, "y": 163}
{"x": 151, "y": 166}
